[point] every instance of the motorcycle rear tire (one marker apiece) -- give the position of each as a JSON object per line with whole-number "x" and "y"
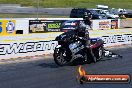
{"x": 99, "y": 53}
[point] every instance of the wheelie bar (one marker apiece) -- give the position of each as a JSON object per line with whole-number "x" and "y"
{"x": 108, "y": 53}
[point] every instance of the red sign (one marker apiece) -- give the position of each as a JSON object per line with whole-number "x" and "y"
{"x": 104, "y": 25}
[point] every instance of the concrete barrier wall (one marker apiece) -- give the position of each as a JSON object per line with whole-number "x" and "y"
{"x": 23, "y": 24}
{"x": 26, "y": 48}
{"x": 14, "y": 46}
{"x": 16, "y": 8}
{"x": 39, "y": 44}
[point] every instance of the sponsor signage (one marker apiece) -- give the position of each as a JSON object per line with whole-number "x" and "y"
{"x": 40, "y": 26}
{"x": 25, "y": 47}
{"x": 104, "y": 24}
{"x": 114, "y": 24}
{"x": 16, "y": 48}
{"x": 54, "y": 26}
{"x": 36, "y": 26}
{"x": 10, "y": 27}
{"x": 69, "y": 25}
{"x": 29, "y": 47}
{"x": 117, "y": 38}
{"x": 7, "y": 27}
{"x": 1, "y": 28}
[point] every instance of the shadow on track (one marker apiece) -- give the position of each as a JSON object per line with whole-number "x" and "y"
{"x": 107, "y": 58}
{"x": 53, "y": 65}
{"x": 110, "y": 56}
{"x": 49, "y": 65}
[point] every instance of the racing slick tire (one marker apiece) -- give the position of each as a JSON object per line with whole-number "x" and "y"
{"x": 99, "y": 53}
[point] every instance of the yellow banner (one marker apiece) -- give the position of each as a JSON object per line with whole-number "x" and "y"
{"x": 7, "y": 27}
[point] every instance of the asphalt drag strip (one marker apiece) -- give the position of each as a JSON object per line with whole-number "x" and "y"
{"x": 44, "y": 73}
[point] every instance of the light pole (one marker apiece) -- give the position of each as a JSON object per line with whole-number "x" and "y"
{"x": 37, "y": 9}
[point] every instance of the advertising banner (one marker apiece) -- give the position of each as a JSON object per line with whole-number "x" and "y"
{"x": 7, "y": 27}
{"x": 125, "y": 38}
{"x": 39, "y": 44}
{"x": 104, "y": 24}
{"x": 114, "y": 24}
{"x": 1, "y": 27}
{"x": 68, "y": 25}
{"x": 41, "y": 26}
{"x": 101, "y": 24}
{"x": 26, "y": 48}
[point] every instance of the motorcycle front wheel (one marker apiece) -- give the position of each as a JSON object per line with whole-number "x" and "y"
{"x": 60, "y": 57}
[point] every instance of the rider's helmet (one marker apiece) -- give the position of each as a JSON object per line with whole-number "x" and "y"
{"x": 80, "y": 28}
{"x": 87, "y": 16}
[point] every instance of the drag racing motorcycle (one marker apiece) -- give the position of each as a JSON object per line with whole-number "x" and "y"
{"x": 71, "y": 49}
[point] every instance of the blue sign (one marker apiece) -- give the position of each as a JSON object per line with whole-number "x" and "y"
{"x": 10, "y": 27}
{"x": 0, "y": 27}
{"x": 69, "y": 25}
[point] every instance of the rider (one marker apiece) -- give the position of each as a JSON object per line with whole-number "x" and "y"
{"x": 82, "y": 31}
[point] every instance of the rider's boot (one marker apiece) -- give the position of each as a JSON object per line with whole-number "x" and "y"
{"x": 90, "y": 53}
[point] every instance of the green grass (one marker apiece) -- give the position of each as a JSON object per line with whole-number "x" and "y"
{"x": 30, "y": 16}
{"x": 127, "y": 4}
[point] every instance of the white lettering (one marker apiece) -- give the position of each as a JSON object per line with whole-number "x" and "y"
{"x": 2, "y": 50}
{"x": 27, "y": 47}
{"x": 116, "y": 38}
{"x": 14, "y": 48}
{"x": 38, "y": 46}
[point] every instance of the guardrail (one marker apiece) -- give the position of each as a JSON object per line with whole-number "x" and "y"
{"x": 32, "y": 10}
{"x": 11, "y": 26}
{"x": 34, "y": 43}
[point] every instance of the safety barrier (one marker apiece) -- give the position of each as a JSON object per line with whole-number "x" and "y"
{"x": 34, "y": 42}
{"x": 11, "y": 26}
{"x": 39, "y": 44}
